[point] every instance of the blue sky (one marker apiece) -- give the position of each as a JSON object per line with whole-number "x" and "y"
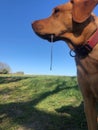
{"x": 21, "y": 49}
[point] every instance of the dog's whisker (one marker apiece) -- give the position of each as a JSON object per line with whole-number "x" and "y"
{"x": 51, "y": 55}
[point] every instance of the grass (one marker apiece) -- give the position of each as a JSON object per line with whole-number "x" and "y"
{"x": 41, "y": 103}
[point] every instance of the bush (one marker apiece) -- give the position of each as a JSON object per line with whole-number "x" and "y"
{"x": 4, "y": 68}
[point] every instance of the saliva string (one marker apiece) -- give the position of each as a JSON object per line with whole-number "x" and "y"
{"x": 51, "y": 53}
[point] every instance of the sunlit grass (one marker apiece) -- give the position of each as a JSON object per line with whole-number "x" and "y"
{"x": 40, "y": 103}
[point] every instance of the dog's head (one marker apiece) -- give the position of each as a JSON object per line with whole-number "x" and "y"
{"x": 57, "y": 24}
{"x": 70, "y": 22}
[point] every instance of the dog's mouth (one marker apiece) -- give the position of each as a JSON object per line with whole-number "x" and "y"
{"x": 38, "y": 29}
{"x": 49, "y": 37}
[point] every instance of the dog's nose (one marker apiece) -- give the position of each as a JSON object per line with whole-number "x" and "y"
{"x": 37, "y": 26}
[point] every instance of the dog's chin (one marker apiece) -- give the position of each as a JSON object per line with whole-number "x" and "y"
{"x": 49, "y": 37}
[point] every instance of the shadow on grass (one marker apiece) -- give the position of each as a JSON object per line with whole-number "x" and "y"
{"x": 29, "y": 117}
{"x": 7, "y": 79}
{"x": 25, "y": 114}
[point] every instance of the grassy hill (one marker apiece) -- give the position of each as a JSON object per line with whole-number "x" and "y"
{"x": 40, "y": 103}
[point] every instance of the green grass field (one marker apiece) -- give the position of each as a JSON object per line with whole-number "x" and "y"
{"x": 41, "y": 103}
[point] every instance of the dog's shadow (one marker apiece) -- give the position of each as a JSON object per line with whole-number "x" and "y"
{"x": 75, "y": 116}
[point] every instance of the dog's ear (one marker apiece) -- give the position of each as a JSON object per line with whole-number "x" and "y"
{"x": 82, "y": 9}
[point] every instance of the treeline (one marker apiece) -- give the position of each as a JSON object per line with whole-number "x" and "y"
{"x": 6, "y": 69}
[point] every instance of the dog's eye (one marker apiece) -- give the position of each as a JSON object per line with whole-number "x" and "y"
{"x": 72, "y": 1}
{"x": 56, "y": 10}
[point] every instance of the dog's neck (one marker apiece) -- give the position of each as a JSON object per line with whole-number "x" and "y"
{"x": 80, "y": 35}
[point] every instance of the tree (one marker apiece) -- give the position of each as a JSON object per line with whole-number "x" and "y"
{"x": 4, "y": 68}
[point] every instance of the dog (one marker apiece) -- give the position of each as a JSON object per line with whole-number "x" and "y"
{"x": 74, "y": 23}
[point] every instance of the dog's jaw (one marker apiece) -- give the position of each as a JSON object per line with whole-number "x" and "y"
{"x": 46, "y": 36}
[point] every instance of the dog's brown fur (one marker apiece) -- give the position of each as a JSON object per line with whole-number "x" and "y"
{"x": 65, "y": 24}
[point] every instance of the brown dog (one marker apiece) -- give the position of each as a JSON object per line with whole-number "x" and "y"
{"x": 74, "y": 23}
